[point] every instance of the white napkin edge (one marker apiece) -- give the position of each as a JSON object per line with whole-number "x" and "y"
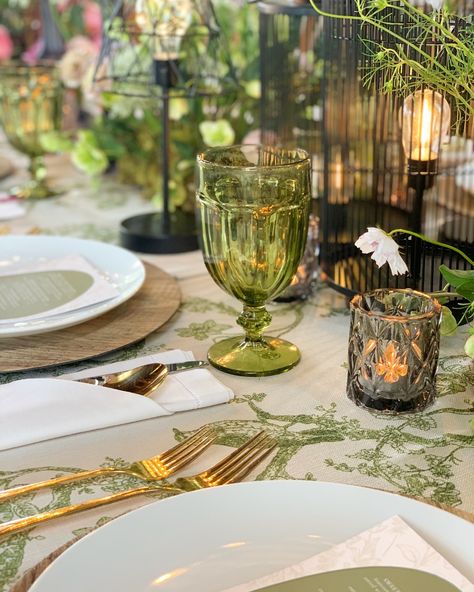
{"x": 128, "y": 407}
{"x": 70, "y": 399}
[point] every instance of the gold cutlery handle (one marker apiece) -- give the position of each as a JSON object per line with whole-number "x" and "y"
{"x": 21, "y": 523}
{"x": 22, "y": 489}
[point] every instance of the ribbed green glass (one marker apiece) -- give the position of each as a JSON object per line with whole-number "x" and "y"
{"x": 253, "y": 204}
{"x": 30, "y": 106}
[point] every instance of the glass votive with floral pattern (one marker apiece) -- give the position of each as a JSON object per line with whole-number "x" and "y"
{"x": 393, "y": 350}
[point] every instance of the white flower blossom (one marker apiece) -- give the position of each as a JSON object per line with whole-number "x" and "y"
{"x": 383, "y": 248}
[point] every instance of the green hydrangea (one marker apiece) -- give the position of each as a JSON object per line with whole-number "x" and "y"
{"x": 87, "y": 155}
{"x": 217, "y": 133}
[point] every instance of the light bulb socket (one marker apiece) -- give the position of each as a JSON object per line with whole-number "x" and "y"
{"x": 165, "y": 72}
{"x": 420, "y": 178}
{"x": 422, "y": 167}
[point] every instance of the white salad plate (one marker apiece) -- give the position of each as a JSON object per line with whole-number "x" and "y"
{"x": 118, "y": 266}
{"x": 212, "y": 539}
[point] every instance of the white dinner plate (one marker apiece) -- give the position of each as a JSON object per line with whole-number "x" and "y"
{"x": 120, "y": 267}
{"x": 212, "y": 539}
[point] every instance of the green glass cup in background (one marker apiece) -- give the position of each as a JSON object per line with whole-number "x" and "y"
{"x": 30, "y": 106}
{"x": 253, "y": 209}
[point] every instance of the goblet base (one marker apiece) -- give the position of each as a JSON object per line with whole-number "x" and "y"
{"x": 33, "y": 190}
{"x": 269, "y": 356}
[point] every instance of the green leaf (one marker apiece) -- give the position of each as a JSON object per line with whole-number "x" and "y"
{"x": 448, "y": 322}
{"x": 469, "y": 346}
{"x": 467, "y": 290}
{"x": 461, "y": 280}
{"x": 456, "y": 276}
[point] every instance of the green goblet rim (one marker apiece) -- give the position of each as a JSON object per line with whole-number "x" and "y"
{"x": 202, "y": 158}
{"x": 356, "y": 304}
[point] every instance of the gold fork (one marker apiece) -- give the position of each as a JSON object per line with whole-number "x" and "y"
{"x": 151, "y": 469}
{"x": 229, "y": 470}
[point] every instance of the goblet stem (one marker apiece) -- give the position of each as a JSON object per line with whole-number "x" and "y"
{"x": 37, "y": 170}
{"x": 37, "y": 187}
{"x": 254, "y": 320}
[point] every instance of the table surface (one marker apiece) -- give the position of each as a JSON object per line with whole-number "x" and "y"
{"x": 321, "y": 434}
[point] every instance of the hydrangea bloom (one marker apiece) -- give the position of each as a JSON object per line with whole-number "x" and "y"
{"x": 217, "y": 133}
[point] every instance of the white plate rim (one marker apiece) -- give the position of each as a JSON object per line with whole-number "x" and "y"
{"x": 134, "y": 267}
{"x": 408, "y": 504}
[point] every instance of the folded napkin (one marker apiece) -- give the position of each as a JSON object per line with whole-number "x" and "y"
{"x": 10, "y": 207}
{"x": 37, "y": 409}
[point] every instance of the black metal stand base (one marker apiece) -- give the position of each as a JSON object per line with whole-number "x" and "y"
{"x": 147, "y": 233}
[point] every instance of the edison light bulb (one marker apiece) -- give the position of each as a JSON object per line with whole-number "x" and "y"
{"x": 426, "y": 118}
{"x": 167, "y": 21}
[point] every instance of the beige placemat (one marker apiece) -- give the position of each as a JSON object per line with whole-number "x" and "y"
{"x": 29, "y": 578}
{"x": 153, "y": 305}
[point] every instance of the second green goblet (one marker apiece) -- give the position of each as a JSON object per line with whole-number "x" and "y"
{"x": 30, "y": 107}
{"x": 253, "y": 209}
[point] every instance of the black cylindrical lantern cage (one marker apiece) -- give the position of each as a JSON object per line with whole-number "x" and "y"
{"x": 314, "y": 95}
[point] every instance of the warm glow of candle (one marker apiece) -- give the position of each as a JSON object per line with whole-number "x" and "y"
{"x": 338, "y": 176}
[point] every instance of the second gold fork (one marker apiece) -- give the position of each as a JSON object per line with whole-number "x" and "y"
{"x": 151, "y": 469}
{"x": 231, "y": 469}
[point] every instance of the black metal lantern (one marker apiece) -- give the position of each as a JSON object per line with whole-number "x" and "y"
{"x": 379, "y": 159}
{"x": 161, "y": 50}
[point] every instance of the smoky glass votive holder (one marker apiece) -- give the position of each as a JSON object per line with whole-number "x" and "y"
{"x": 393, "y": 350}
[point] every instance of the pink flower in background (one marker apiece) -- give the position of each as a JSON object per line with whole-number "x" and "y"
{"x": 30, "y": 56}
{"x": 93, "y": 21}
{"x": 63, "y": 5}
{"x": 6, "y": 44}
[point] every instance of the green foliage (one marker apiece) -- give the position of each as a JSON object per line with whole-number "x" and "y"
{"x": 469, "y": 348}
{"x": 56, "y": 142}
{"x": 87, "y": 155}
{"x": 448, "y": 322}
{"x": 128, "y": 133}
{"x": 461, "y": 280}
{"x": 428, "y": 48}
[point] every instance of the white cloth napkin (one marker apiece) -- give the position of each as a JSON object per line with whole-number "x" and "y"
{"x": 10, "y": 207}
{"x": 39, "y": 409}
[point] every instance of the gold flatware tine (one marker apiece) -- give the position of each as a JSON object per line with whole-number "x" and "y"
{"x": 151, "y": 469}
{"x": 231, "y": 469}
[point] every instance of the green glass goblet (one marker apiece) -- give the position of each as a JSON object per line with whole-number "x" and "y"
{"x": 253, "y": 208}
{"x": 30, "y": 106}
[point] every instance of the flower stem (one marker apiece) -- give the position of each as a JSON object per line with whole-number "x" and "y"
{"x": 442, "y": 294}
{"x": 433, "y": 242}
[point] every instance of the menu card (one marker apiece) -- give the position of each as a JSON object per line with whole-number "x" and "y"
{"x": 366, "y": 579}
{"x": 390, "y": 557}
{"x": 41, "y": 290}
